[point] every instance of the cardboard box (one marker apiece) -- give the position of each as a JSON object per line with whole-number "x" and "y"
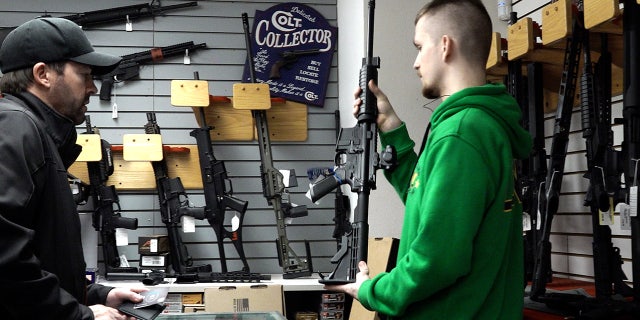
{"x": 155, "y": 244}
{"x": 192, "y": 298}
{"x": 257, "y": 297}
{"x": 382, "y": 257}
{"x": 173, "y": 303}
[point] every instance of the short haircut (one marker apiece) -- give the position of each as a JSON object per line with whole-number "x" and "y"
{"x": 469, "y": 20}
{"x": 18, "y": 81}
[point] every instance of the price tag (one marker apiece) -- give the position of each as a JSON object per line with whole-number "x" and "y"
{"x": 122, "y": 237}
{"x": 235, "y": 222}
{"x": 526, "y": 222}
{"x": 187, "y": 59}
{"x": 128, "y": 26}
{"x": 625, "y": 217}
{"x": 114, "y": 111}
{"x": 633, "y": 201}
{"x": 188, "y": 224}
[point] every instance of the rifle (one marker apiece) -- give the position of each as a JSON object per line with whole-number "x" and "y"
{"x": 356, "y": 163}
{"x": 560, "y": 140}
{"x": 604, "y": 171}
{"x": 533, "y": 170}
{"x": 273, "y": 187}
{"x": 631, "y": 138}
{"x": 174, "y": 203}
{"x": 104, "y": 218}
{"x": 287, "y": 58}
{"x": 124, "y": 13}
{"x": 342, "y": 202}
{"x": 156, "y": 277}
{"x": 129, "y": 68}
{"x": 216, "y": 194}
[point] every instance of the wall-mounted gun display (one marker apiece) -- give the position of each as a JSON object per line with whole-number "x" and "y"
{"x": 129, "y": 68}
{"x": 274, "y": 188}
{"x": 124, "y": 13}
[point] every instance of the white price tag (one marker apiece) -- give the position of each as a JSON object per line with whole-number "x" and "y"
{"x": 526, "y": 222}
{"x": 187, "y": 59}
{"x": 633, "y": 201}
{"x": 114, "y": 111}
{"x": 124, "y": 262}
{"x": 153, "y": 245}
{"x": 625, "y": 217}
{"x": 235, "y": 222}
{"x": 128, "y": 26}
{"x": 188, "y": 224}
{"x": 122, "y": 238}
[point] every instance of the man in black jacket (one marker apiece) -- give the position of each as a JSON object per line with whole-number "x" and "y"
{"x": 48, "y": 66}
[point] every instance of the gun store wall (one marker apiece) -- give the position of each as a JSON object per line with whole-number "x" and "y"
{"x": 303, "y": 138}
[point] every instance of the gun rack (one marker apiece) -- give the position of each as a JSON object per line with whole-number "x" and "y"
{"x": 182, "y": 161}
{"x": 132, "y": 167}
{"x": 287, "y": 119}
{"x": 600, "y": 16}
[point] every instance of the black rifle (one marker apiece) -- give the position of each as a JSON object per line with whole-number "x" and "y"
{"x": 559, "y": 143}
{"x": 357, "y": 160}
{"x": 174, "y": 203}
{"x": 129, "y": 68}
{"x": 156, "y": 277}
{"x": 287, "y": 58}
{"x": 604, "y": 171}
{"x": 342, "y": 202}
{"x": 216, "y": 194}
{"x": 273, "y": 187}
{"x": 532, "y": 171}
{"x": 631, "y": 131}
{"x": 106, "y": 213}
{"x": 132, "y": 12}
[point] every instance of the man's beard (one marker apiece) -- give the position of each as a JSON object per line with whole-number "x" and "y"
{"x": 430, "y": 93}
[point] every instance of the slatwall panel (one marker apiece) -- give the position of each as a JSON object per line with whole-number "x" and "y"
{"x": 571, "y": 237}
{"x": 218, "y": 24}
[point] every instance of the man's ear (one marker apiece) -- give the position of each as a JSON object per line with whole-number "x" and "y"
{"x": 446, "y": 44}
{"x": 41, "y": 74}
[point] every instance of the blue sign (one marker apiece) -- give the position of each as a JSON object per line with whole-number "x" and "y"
{"x": 292, "y": 51}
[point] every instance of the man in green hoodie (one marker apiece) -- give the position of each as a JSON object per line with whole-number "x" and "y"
{"x": 461, "y": 254}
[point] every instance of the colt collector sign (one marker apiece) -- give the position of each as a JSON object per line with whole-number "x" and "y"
{"x": 292, "y": 51}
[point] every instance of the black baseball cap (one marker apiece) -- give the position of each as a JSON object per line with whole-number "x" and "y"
{"x": 51, "y": 40}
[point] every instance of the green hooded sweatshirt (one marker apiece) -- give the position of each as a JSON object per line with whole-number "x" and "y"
{"x": 461, "y": 248}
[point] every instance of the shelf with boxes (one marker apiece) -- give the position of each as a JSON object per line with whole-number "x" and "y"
{"x": 287, "y": 296}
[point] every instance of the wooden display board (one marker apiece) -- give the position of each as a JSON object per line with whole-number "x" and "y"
{"x": 138, "y": 175}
